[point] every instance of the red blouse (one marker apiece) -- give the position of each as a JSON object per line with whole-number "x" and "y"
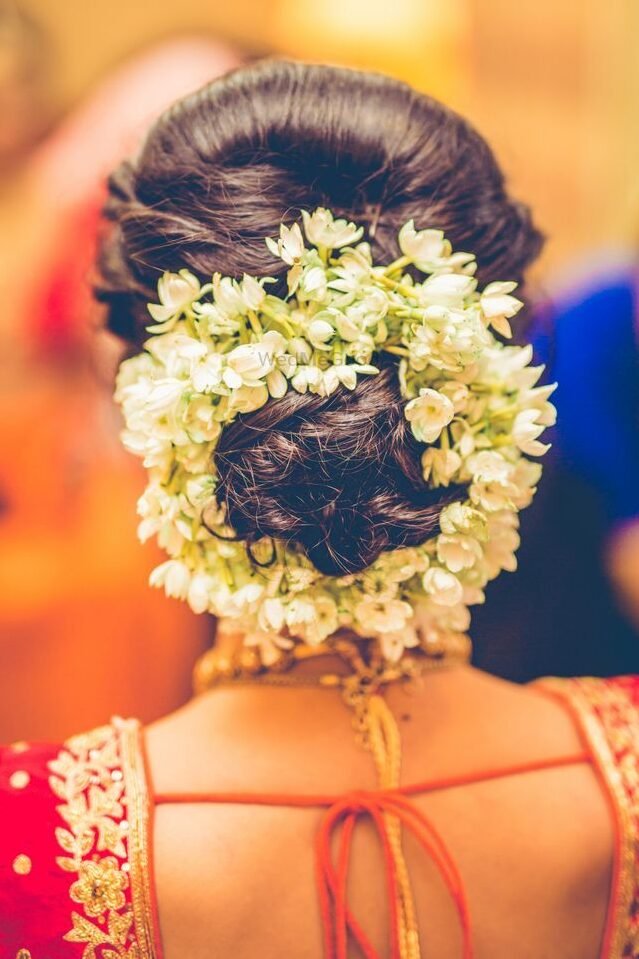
{"x": 76, "y": 878}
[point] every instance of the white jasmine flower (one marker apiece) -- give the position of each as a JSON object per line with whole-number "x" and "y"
{"x": 313, "y": 618}
{"x": 440, "y": 465}
{"x": 300, "y": 350}
{"x": 199, "y": 592}
{"x": 307, "y": 378}
{"x": 246, "y": 399}
{"x": 200, "y": 421}
{"x": 447, "y": 289}
{"x": 252, "y": 291}
{"x": 458, "y": 394}
{"x": 323, "y": 230}
{"x": 498, "y": 306}
{"x": 501, "y": 544}
{"x": 250, "y": 363}
{"x": 272, "y": 614}
{"x": 424, "y": 248}
{"x": 428, "y": 414}
{"x": 289, "y": 246}
{"x": 509, "y": 366}
{"x": 156, "y": 452}
{"x": 370, "y": 308}
{"x": 213, "y": 321}
{"x": 463, "y": 518}
{"x": 175, "y": 352}
{"x": 442, "y": 586}
{"x": 524, "y": 477}
{"x": 246, "y": 597}
{"x": 163, "y": 395}
{"x": 176, "y": 292}
{"x": 489, "y": 466}
{"x": 349, "y": 276}
{"x": 526, "y": 428}
{"x": 195, "y": 457}
{"x": 228, "y": 296}
{"x": 199, "y": 490}
{"x": 206, "y": 373}
{"x": 174, "y": 576}
{"x": 381, "y": 616}
{"x": 347, "y": 327}
{"x": 300, "y": 578}
{"x": 538, "y": 398}
{"x": 422, "y": 345}
{"x": 319, "y": 332}
{"x": 312, "y": 284}
{"x": 492, "y": 488}
{"x": 276, "y": 384}
{"x": 458, "y": 552}
{"x": 393, "y": 644}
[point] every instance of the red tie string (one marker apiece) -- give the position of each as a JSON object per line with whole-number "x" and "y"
{"x": 338, "y": 920}
{"x": 342, "y": 813}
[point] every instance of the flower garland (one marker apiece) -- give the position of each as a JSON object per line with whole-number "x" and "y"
{"x": 229, "y": 347}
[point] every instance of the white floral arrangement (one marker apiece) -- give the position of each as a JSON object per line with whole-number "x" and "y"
{"x": 229, "y": 347}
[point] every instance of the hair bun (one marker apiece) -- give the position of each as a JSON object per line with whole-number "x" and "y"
{"x": 340, "y": 477}
{"x": 218, "y": 173}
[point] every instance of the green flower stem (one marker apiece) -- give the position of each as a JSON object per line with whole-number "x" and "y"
{"x": 397, "y": 264}
{"x": 276, "y": 318}
{"x": 256, "y": 326}
{"x": 402, "y": 288}
{"x": 478, "y": 427}
{"x": 511, "y": 410}
{"x": 397, "y": 350}
{"x": 406, "y": 313}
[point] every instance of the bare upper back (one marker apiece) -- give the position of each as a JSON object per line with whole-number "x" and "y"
{"x": 534, "y": 850}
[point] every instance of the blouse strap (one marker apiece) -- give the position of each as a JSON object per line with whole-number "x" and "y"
{"x": 606, "y": 714}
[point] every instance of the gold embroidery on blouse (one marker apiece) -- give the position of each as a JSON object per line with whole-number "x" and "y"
{"x": 22, "y": 865}
{"x": 100, "y": 887}
{"x": 20, "y": 779}
{"x": 608, "y": 720}
{"x": 87, "y": 777}
{"x": 139, "y": 836}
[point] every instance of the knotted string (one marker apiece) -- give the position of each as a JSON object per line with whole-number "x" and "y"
{"x": 338, "y": 920}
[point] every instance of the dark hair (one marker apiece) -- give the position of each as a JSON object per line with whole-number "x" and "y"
{"x": 338, "y": 475}
{"x": 219, "y": 171}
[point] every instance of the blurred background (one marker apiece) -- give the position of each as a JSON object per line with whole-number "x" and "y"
{"x": 554, "y": 87}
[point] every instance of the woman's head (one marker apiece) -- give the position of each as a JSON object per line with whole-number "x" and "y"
{"x": 219, "y": 171}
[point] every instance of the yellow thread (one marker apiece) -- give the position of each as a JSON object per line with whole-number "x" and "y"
{"x": 383, "y": 739}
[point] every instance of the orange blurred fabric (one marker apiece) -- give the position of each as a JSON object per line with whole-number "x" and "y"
{"x": 82, "y": 636}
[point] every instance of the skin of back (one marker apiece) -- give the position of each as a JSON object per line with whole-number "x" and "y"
{"x": 535, "y": 850}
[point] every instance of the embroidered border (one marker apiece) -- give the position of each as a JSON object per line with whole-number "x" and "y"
{"x": 87, "y": 776}
{"x": 140, "y": 858}
{"x": 608, "y": 720}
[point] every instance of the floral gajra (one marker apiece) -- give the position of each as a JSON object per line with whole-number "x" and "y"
{"x": 228, "y": 347}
